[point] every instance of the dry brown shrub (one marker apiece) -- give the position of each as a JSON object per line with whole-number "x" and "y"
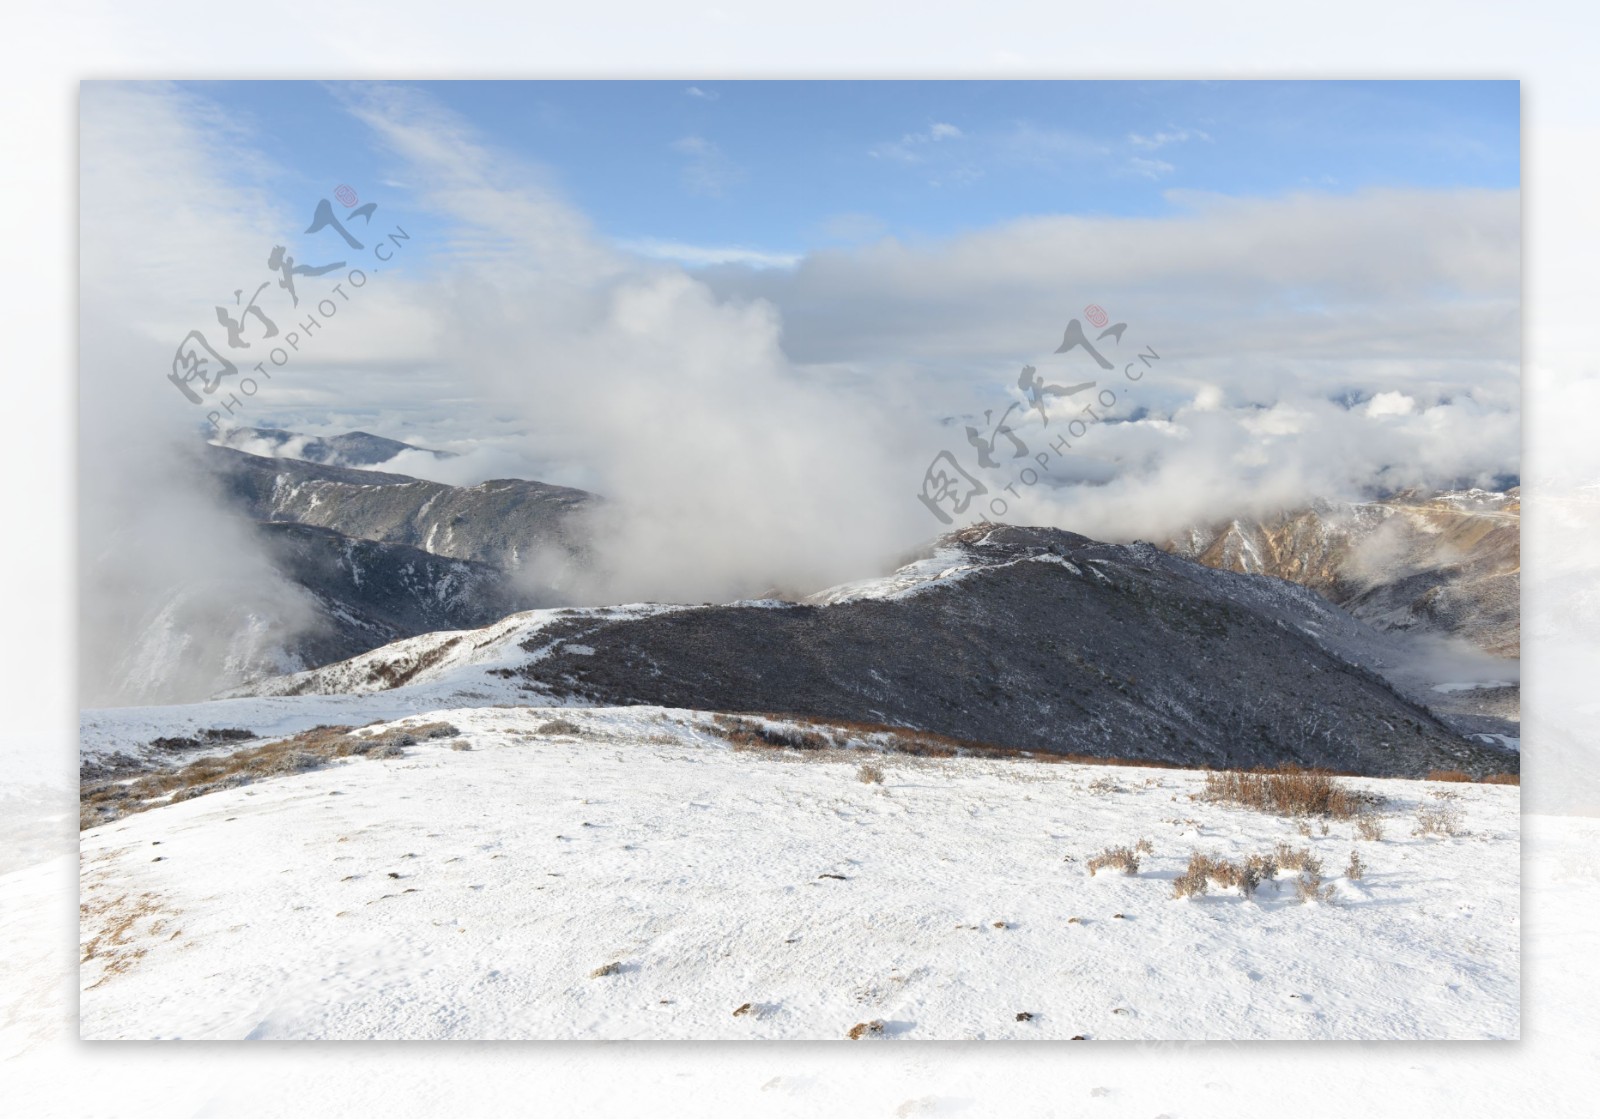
{"x": 1287, "y": 791}
{"x": 873, "y": 1029}
{"x": 1297, "y": 859}
{"x": 1204, "y": 870}
{"x": 558, "y": 727}
{"x": 1355, "y": 868}
{"x": 1309, "y": 888}
{"x": 1124, "y": 859}
{"x": 869, "y": 774}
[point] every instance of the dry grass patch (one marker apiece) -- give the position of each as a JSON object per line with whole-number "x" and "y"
{"x": 870, "y": 774}
{"x": 1287, "y": 791}
{"x": 1463, "y": 776}
{"x": 105, "y": 801}
{"x": 781, "y": 730}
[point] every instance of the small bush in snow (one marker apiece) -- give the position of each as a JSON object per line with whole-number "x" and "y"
{"x": 1203, "y": 870}
{"x": 873, "y": 1029}
{"x": 1369, "y": 827}
{"x": 1123, "y": 859}
{"x": 1437, "y": 820}
{"x": 559, "y": 727}
{"x": 1310, "y": 889}
{"x": 1195, "y": 879}
{"x": 869, "y": 774}
{"x": 1355, "y": 869}
{"x": 1297, "y": 859}
{"x": 1145, "y": 847}
{"x": 606, "y": 970}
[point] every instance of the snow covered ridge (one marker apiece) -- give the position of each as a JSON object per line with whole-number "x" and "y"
{"x": 631, "y": 873}
{"x": 1030, "y": 638}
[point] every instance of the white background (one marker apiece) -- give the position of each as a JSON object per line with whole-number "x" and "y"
{"x": 1550, "y": 47}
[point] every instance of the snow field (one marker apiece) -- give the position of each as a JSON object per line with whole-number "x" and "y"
{"x": 472, "y": 893}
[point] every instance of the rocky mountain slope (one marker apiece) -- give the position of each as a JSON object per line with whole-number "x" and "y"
{"x": 370, "y": 593}
{"x": 1446, "y": 563}
{"x": 505, "y": 522}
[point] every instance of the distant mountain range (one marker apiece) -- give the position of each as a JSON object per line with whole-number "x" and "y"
{"x": 350, "y": 449}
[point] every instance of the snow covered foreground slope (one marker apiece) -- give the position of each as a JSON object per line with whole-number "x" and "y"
{"x": 453, "y": 893}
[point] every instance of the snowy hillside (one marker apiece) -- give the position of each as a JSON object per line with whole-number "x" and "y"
{"x": 631, "y": 874}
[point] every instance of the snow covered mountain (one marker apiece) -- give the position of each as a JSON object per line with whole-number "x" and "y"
{"x": 1028, "y": 638}
{"x": 348, "y": 449}
{"x": 1447, "y": 562}
{"x": 509, "y": 523}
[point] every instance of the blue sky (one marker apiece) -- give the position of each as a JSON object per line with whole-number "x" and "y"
{"x": 781, "y": 168}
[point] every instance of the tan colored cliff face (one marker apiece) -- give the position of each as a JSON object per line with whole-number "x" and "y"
{"x": 1448, "y": 563}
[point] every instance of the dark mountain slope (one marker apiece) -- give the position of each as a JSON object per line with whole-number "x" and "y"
{"x": 1041, "y": 639}
{"x": 369, "y": 593}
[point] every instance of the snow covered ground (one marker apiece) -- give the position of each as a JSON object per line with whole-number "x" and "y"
{"x": 457, "y": 893}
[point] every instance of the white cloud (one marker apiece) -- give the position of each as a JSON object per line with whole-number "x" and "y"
{"x": 911, "y": 148}
{"x": 697, "y": 256}
{"x": 1162, "y": 139}
{"x": 1391, "y": 404}
{"x": 707, "y": 171}
{"x": 701, "y": 94}
{"x": 1151, "y": 168}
